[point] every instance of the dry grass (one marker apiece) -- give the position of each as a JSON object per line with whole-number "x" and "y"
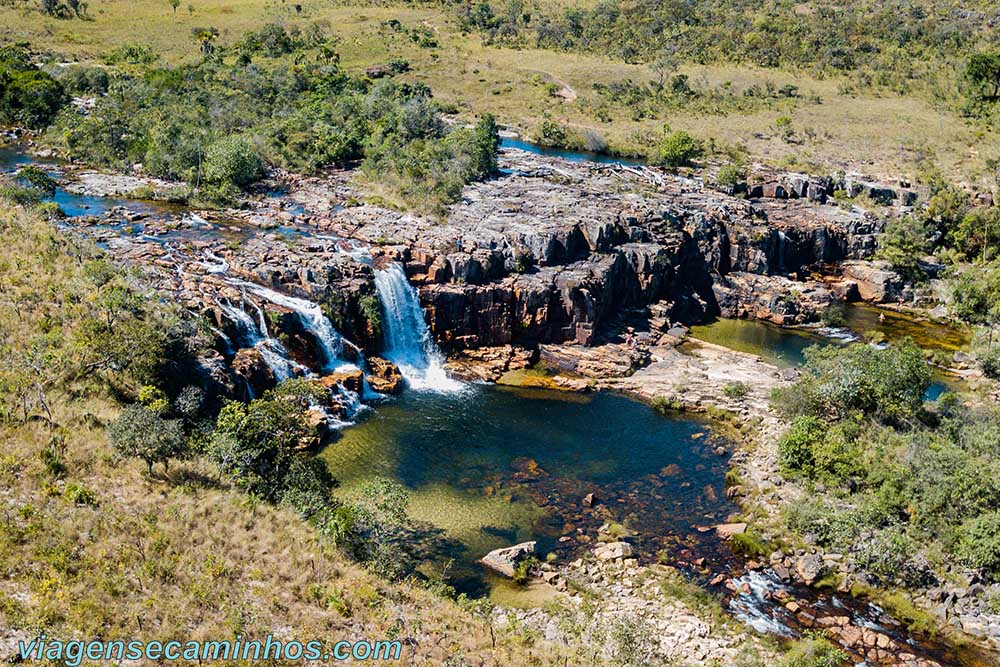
{"x": 882, "y": 135}
{"x": 92, "y": 547}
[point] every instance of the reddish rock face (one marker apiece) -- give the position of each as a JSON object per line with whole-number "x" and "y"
{"x": 349, "y": 380}
{"x": 384, "y": 377}
{"x": 249, "y": 365}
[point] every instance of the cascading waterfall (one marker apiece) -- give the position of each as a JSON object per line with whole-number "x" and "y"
{"x": 330, "y": 342}
{"x": 271, "y": 349}
{"x": 408, "y": 342}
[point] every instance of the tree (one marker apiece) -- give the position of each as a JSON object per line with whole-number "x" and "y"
{"x": 678, "y": 149}
{"x": 175, "y": 4}
{"x": 902, "y": 244}
{"x": 140, "y": 433}
{"x": 233, "y": 160}
{"x": 886, "y": 384}
{"x": 983, "y": 73}
{"x": 255, "y": 443}
{"x": 664, "y": 65}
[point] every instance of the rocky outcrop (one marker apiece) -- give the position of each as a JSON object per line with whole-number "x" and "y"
{"x": 771, "y": 298}
{"x": 875, "y": 281}
{"x": 249, "y": 365}
{"x": 506, "y": 560}
{"x": 384, "y": 376}
{"x": 555, "y": 251}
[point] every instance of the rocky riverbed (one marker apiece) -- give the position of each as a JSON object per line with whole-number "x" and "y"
{"x": 590, "y": 270}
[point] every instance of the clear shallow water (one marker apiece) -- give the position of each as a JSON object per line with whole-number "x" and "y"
{"x": 573, "y": 156}
{"x": 497, "y": 466}
{"x": 785, "y": 347}
{"x": 780, "y": 346}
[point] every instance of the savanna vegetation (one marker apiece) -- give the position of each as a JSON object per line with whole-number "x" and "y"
{"x": 275, "y": 98}
{"x": 907, "y": 488}
{"x": 132, "y": 511}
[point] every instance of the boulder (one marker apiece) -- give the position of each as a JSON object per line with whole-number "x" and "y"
{"x": 727, "y": 530}
{"x": 809, "y": 567}
{"x": 249, "y": 364}
{"x": 613, "y": 551}
{"x": 384, "y": 376}
{"x": 506, "y": 559}
{"x": 876, "y": 282}
{"x": 349, "y": 380}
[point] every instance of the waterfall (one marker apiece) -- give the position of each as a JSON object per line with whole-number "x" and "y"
{"x": 254, "y": 334}
{"x": 331, "y": 344}
{"x": 271, "y": 349}
{"x": 408, "y": 342}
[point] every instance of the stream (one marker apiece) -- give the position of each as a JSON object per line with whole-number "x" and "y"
{"x": 491, "y": 466}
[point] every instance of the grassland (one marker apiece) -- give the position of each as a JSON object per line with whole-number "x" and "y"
{"x": 881, "y": 134}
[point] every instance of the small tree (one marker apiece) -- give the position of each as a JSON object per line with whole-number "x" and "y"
{"x": 678, "y": 149}
{"x": 983, "y": 73}
{"x": 174, "y": 4}
{"x": 140, "y": 433}
{"x": 233, "y": 160}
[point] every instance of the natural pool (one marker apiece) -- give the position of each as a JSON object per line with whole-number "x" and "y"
{"x": 494, "y": 466}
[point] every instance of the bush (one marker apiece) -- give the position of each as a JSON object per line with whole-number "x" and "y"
{"x": 979, "y": 543}
{"x": 131, "y": 54}
{"x": 678, "y": 149}
{"x": 834, "y": 315}
{"x": 28, "y": 96}
{"x": 140, "y": 433}
{"x": 796, "y": 447}
{"x": 813, "y": 651}
{"x": 551, "y": 133}
{"x": 233, "y": 160}
{"x": 989, "y": 363}
{"x": 255, "y": 444}
{"x": 887, "y": 384}
{"x": 83, "y": 80}
{"x": 736, "y": 390}
{"x": 730, "y": 175}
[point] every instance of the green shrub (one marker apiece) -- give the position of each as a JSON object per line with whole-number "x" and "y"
{"x": 796, "y": 447}
{"x": 989, "y": 363}
{"x": 131, "y": 53}
{"x": 887, "y": 384}
{"x": 731, "y": 175}
{"x": 813, "y": 651}
{"x": 79, "y": 495}
{"x": 84, "y": 80}
{"x": 678, "y": 149}
{"x": 834, "y": 315}
{"x": 979, "y": 543}
{"x": 233, "y": 160}
{"x": 736, "y": 390}
{"x": 140, "y": 433}
{"x": 750, "y": 544}
{"x": 551, "y": 133}
{"x": 28, "y": 96}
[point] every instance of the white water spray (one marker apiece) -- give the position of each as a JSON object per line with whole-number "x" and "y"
{"x": 331, "y": 344}
{"x": 271, "y": 349}
{"x": 408, "y": 342}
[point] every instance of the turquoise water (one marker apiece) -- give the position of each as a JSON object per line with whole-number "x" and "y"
{"x": 496, "y": 466}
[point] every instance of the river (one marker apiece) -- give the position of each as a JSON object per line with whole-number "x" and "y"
{"x": 488, "y": 466}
